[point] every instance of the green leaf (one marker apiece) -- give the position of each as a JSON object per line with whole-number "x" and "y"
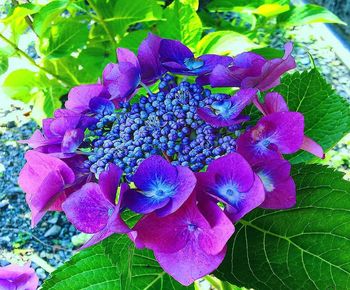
{"x": 16, "y": 20}
{"x": 48, "y": 14}
{"x": 181, "y": 23}
{"x": 225, "y": 43}
{"x": 120, "y": 14}
{"x": 269, "y": 52}
{"x": 4, "y": 63}
{"x": 305, "y": 247}
{"x": 248, "y": 6}
{"x": 327, "y": 115}
{"x": 21, "y": 85}
{"x": 63, "y": 38}
{"x": 271, "y": 10}
{"x": 114, "y": 264}
{"x": 133, "y": 40}
{"x": 307, "y": 14}
{"x": 194, "y": 3}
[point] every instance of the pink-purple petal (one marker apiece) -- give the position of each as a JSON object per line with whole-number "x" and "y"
{"x": 71, "y": 140}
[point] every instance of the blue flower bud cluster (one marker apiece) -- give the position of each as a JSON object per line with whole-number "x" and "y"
{"x": 165, "y": 123}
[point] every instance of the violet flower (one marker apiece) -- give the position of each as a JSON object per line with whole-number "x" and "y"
{"x": 61, "y": 134}
{"x": 231, "y": 180}
{"x": 43, "y": 178}
{"x": 227, "y": 112}
{"x": 15, "y": 277}
{"x": 274, "y": 102}
{"x": 79, "y": 97}
{"x": 250, "y": 70}
{"x": 160, "y": 187}
{"x": 122, "y": 79}
{"x": 178, "y": 58}
{"x": 148, "y": 57}
{"x": 189, "y": 243}
{"x": 280, "y": 132}
{"x": 92, "y": 209}
{"x": 279, "y": 186}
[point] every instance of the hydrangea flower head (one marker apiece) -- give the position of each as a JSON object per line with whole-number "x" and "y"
{"x": 180, "y": 156}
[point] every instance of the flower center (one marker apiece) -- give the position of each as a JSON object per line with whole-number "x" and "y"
{"x": 193, "y": 63}
{"x": 164, "y": 123}
{"x": 267, "y": 181}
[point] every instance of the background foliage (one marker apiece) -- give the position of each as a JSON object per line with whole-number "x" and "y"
{"x": 75, "y": 39}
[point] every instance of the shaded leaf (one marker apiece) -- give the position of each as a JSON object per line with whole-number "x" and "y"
{"x": 110, "y": 265}
{"x": 305, "y": 247}
{"x": 63, "y": 38}
{"x": 4, "y": 63}
{"x": 133, "y": 40}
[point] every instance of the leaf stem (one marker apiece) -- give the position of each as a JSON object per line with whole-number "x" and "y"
{"x": 32, "y": 61}
{"x": 100, "y": 19}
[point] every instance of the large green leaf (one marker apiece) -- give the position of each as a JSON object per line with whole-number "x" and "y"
{"x": 327, "y": 115}
{"x": 114, "y": 264}
{"x": 117, "y": 16}
{"x": 232, "y": 5}
{"x": 133, "y": 40}
{"x": 63, "y": 38}
{"x": 225, "y": 43}
{"x": 182, "y": 23}
{"x": 47, "y": 14}
{"x": 305, "y": 247}
{"x": 307, "y": 14}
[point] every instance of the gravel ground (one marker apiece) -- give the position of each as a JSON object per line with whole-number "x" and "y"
{"x": 50, "y": 243}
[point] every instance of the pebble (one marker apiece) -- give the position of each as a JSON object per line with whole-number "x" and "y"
{"x": 53, "y": 231}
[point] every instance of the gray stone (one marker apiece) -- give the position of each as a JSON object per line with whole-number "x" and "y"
{"x": 53, "y": 231}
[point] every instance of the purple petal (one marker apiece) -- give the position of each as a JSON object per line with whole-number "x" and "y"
{"x": 14, "y": 277}
{"x": 273, "y": 103}
{"x": 79, "y": 97}
{"x": 171, "y": 233}
{"x": 88, "y": 209}
{"x": 228, "y": 110}
{"x": 247, "y": 201}
{"x": 311, "y": 146}
{"x": 148, "y": 56}
{"x": 60, "y": 125}
{"x": 140, "y": 203}
{"x": 101, "y": 106}
{"x": 126, "y": 55}
{"x": 213, "y": 241}
{"x": 72, "y": 140}
{"x": 173, "y": 55}
{"x": 38, "y": 140}
{"x": 222, "y": 77}
{"x": 186, "y": 181}
{"x": 278, "y": 185}
{"x": 43, "y": 178}
{"x": 121, "y": 79}
{"x": 109, "y": 181}
{"x": 46, "y": 128}
{"x": 231, "y": 168}
{"x": 211, "y": 61}
{"x": 272, "y": 71}
{"x": 154, "y": 169}
{"x": 278, "y": 132}
{"x": 189, "y": 263}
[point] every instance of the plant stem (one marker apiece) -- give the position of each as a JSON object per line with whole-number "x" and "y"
{"x": 32, "y": 61}
{"x": 100, "y": 19}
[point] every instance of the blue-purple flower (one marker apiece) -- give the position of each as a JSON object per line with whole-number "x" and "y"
{"x": 178, "y": 58}
{"x": 160, "y": 187}
{"x": 250, "y": 70}
{"x": 228, "y": 111}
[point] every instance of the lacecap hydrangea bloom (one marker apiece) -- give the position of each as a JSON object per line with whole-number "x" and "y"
{"x": 179, "y": 155}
